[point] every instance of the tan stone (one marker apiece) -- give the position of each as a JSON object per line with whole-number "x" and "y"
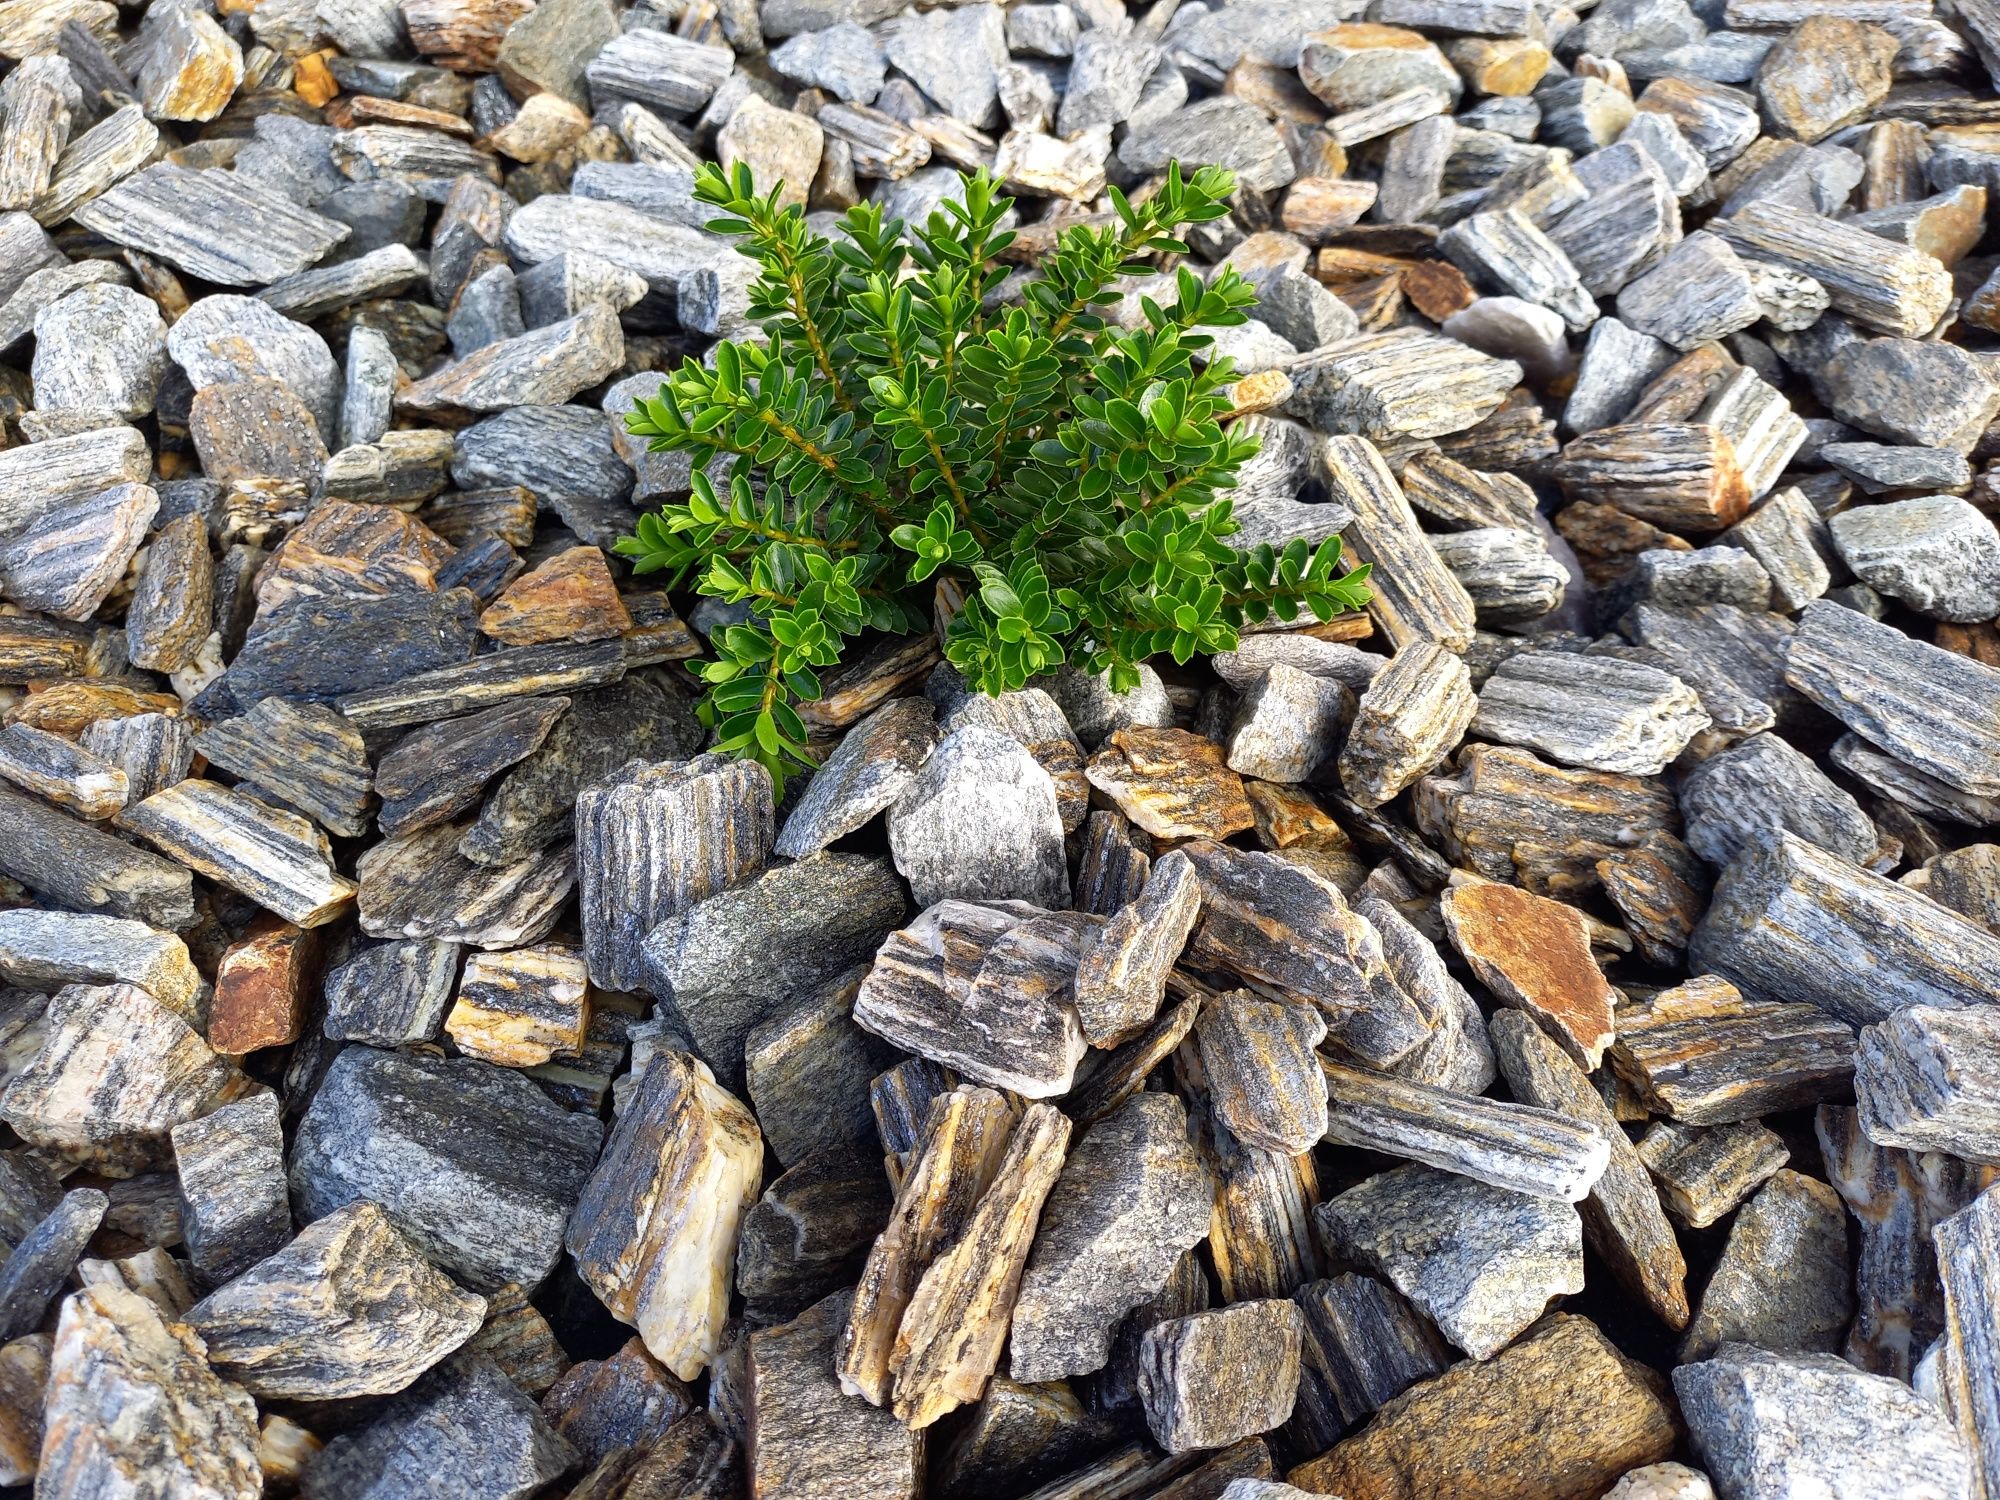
{"x": 1534, "y": 953}
{"x": 1173, "y": 784}
{"x": 546, "y": 125}
{"x": 1558, "y": 1415}
{"x": 571, "y": 597}
{"x": 522, "y": 1007}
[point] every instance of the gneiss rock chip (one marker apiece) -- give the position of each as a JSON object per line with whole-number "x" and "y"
{"x": 1937, "y": 554}
{"x": 980, "y": 823}
{"x": 38, "y": 1268}
{"x": 1518, "y": 1147}
{"x": 1558, "y": 1415}
{"x": 1281, "y": 927}
{"x": 50, "y": 949}
{"x": 349, "y": 1308}
{"x": 875, "y": 761}
{"x": 1704, "y": 1054}
{"x": 1411, "y": 716}
{"x": 654, "y": 840}
{"x": 277, "y": 859}
{"x": 654, "y": 1233}
{"x": 1171, "y": 783}
{"x": 115, "y": 1072}
{"x": 436, "y": 772}
{"x": 231, "y": 1168}
{"x": 474, "y": 1163}
{"x": 1791, "y": 922}
{"x": 1287, "y": 724}
{"x": 949, "y": 1340}
{"x": 810, "y": 1232}
{"x": 1208, "y": 1380}
{"x": 1622, "y": 1217}
{"x": 1769, "y": 1424}
{"x": 1535, "y": 953}
{"x": 810, "y": 1438}
{"x": 1263, "y": 1074}
{"x": 1122, "y": 976}
{"x": 178, "y": 1428}
{"x": 464, "y": 1428}
{"x": 1783, "y": 1280}
{"x": 1597, "y": 712}
{"x": 522, "y": 1007}
{"x": 1478, "y": 1261}
{"x": 983, "y": 988}
{"x": 1925, "y": 1079}
{"x": 1131, "y": 1198}
{"x": 1932, "y": 709}
{"x": 777, "y": 934}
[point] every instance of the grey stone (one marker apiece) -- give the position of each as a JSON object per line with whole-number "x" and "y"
{"x": 1937, "y": 554}
{"x": 980, "y": 822}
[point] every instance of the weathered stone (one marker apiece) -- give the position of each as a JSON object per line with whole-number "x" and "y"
{"x": 38, "y": 1268}
{"x": 1171, "y": 783}
{"x": 1287, "y": 724}
{"x": 231, "y": 1168}
{"x": 278, "y": 860}
{"x": 1703, "y": 1054}
{"x": 473, "y": 1163}
{"x": 653, "y": 841}
{"x": 1131, "y": 1198}
{"x": 1480, "y": 1262}
{"x": 1535, "y": 953}
{"x": 463, "y": 1426}
{"x": 1592, "y": 711}
{"x": 1936, "y": 554}
{"x": 50, "y": 949}
{"x": 1922, "y": 1081}
{"x": 183, "y": 1429}
{"x": 654, "y": 1234}
{"x": 1122, "y": 976}
{"x": 1767, "y": 1424}
{"x": 1211, "y": 1379}
{"x": 1703, "y": 1174}
{"x": 809, "y": 1437}
{"x": 522, "y": 1007}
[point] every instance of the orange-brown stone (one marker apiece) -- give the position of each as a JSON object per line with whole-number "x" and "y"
{"x": 1173, "y": 784}
{"x": 1534, "y": 954}
{"x": 263, "y": 987}
{"x": 571, "y": 597}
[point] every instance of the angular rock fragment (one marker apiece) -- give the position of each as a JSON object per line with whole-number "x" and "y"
{"x": 979, "y": 822}
{"x": 1893, "y": 289}
{"x": 473, "y": 1163}
{"x": 419, "y": 886}
{"x": 1401, "y": 383}
{"x": 70, "y": 557}
{"x": 1410, "y": 717}
{"x": 1937, "y": 554}
{"x": 1480, "y": 1262}
{"x": 1702, "y": 1174}
{"x": 984, "y": 989}
{"x": 1122, "y": 976}
{"x": 50, "y": 949}
{"x": 1131, "y": 1198}
{"x": 1513, "y": 1147}
{"x": 1767, "y": 1423}
{"x": 1287, "y": 724}
{"x": 1535, "y": 953}
{"x": 1923, "y": 1081}
{"x": 1622, "y": 1217}
{"x": 1262, "y": 1072}
{"x": 348, "y": 1308}
{"x": 625, "y": 1401}
{"x": 61, "y": 772}
{"x": 1791, "y": 922}
{"x": 436, "y": 772}
{"x": 521, "y": 1008}
{"x": 654, "y": 1233}
{"x": 1685, "y": 477}
{"x": 810, "y": 1437}
{"x": 1661, "y": 890}
{"x": 277, "y": 859}
{"x": 653, "y": 841}
{"x": 1211, "y": 1379}
{"x": 186, "y": 1431}
{"x": 809, "y": 1233}
{"x": 172, "y": 606}
{"x": 950, "y": 1335}
{"x": 38, "y": 1268}
{"x": 1363, "y": 1345}
{"x": 571, "y": 597}
{"x": 1171, "y": 783}
{"x": 464, "y": 1427}
{"x": 1703, "y": 1054}
{"x": 1559, "y": 1415}
{"x": 231, "y": 1168}
{"x": 391, "y": 993}
{"x": 115, "y": 1072}
{"x": 211, "y": 224}
{"x": 1597, "y": 712}
{"x": 84, "y": 867}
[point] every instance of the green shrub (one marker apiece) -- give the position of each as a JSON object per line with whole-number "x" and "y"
{"x": 1071, "y": 478}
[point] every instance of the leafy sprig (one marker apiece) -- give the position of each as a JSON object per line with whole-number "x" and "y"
{"x": 904, "y": 423}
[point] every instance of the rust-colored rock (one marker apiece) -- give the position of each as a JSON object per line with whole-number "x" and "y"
{"x": 263, "y": 988}
{"x": 571, "y": 597}
{"x": 1534, "y": 953}
{"x": 1173, "y": 784}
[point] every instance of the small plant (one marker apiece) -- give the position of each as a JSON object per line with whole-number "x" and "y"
{"x": 902, "y": 427}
